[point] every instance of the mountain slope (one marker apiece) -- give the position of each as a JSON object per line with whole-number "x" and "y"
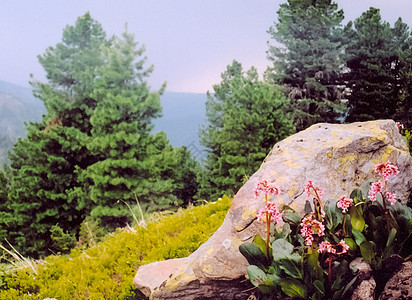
{"x": 17, "y": 106}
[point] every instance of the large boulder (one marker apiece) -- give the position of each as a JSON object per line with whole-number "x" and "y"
{"x": 336, "y": 157}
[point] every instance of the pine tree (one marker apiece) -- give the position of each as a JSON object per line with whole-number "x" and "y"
{"x": 94, "y": 147}
{"x": 378, "y": 69}
{"x": 309, "y": 61}
{"x": 245, "y": 118}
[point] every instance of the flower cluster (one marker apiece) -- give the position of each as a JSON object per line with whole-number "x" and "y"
{"x": 391, "y": 198}
{"x": 344, "y": 203}
{"x": 266, "y": 188}
{"x": 340, "y": 248}
{"x": 386, "y": 170}
{"x": 312, "y": 190}
{"x": 375, "y": 188}
{"x": 270, "y": 209}
{"x": 400, "y": 126}
{"x": 310, "y": 226}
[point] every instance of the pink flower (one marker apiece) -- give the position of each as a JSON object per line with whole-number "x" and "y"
{"x": 310, "y": 226}
{"x": 266, "y": 188}
{"x": 312, "y": 190}
{"x": 342, "y": 246}
{"x": 386, "y": 170}
{"x": 344, "y": 203}
{"x": 375, "y": 188}
{"x": 391, "y": 198}
{"x": 273, "y": 212}
{"x": 326, "y": 246}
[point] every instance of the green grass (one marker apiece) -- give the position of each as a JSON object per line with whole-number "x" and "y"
{"x": 106, "y": 271}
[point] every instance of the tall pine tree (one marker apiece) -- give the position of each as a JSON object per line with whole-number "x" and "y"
{"x": 379, "y": 63}
{"x": 309, "y": 61}
{"x": 245, "y": 118}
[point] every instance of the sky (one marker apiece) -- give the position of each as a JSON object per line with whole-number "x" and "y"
{"x": 189, "y": 42}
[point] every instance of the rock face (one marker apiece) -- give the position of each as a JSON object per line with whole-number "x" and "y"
{"x": 400, "y": 285}
{"x": 338, "y": 158}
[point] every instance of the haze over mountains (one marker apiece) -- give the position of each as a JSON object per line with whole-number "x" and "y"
{"x": 183, "y": 113}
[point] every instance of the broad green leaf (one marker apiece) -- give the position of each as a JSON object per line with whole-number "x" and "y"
{"x": 334, "y": 215}
{"x": 256, "y": 275}
{"x": 356, "y": 195}
{"x": 281, "y": 249}
{"x": 356, "y": 219}
{"x": 260, "y": 242}
{"x": 391, "y": 237}
{"x": 367, "y": 252}
{"x": 359, "y": 237}
{"x": 293, "y": 288}
{"x": 291, "y": 217}
{"x": 291, "y": 268}
{"x": 254, "y": 255}
{"x": 351, "y": 243}
{"x": 319, "y": 286}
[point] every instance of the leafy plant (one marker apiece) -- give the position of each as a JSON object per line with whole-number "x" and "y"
{"x": 309, "y": 258}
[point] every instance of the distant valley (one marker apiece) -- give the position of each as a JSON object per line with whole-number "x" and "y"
{"x": 183, "y": 114}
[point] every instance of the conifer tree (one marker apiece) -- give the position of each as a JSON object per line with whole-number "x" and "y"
{"x": 245, "y": 118}
{"x": 94, "y": 147}
{"x": 308, "y": 62}
{"x": 379, "y": 64}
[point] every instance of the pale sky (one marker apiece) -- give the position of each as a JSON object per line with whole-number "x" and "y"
{"x": 190, "y": 42}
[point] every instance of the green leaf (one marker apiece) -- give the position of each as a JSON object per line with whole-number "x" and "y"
{"x": 293, "y": 288}
{"x": 291, "y": 267}
{"x": 351, "y": 243}
{"x": 359, "y": 237}
{"x": 281, "y": 249}
{"x": 319, "y": 286}
{"x": 260, "y": 242}
{"x": 391, "y": 237}
{"x": 291, "y": 217}
{"x": 254, "y": 255}
{"x": 256, "y": 275}
{"x": 367, "y": 252}
{"x": 356, "y": 219}
{"x": 333, "y": 214}
{"x": 356, "y": 195}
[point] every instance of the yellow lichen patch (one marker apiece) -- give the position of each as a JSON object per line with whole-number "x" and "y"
{"x": 239, "y": 228}
{"x": 273, "y": 172}
{"x": 292, "y": 191}
{"x": 178, "y": 279}
{"x": 210, "y": 251}
{"x": 280, "y": 200}
{"x": 291, "y": 164}
{"x": 247, "y": 213}
{"x": 347, "y": 158}
{"x": 207, "y": 268}
{"x": 281, "y": 179}
{"x": 330, "y": 154}
{"x": 293, "y": 204}
{"x": 385, "y": 156}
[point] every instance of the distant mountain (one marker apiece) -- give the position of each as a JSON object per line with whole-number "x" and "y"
{"x": 17, "y": 106}
{"x": 183, "y": 113}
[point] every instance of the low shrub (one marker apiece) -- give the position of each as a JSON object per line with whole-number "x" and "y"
{"x": 106, "y": 270}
